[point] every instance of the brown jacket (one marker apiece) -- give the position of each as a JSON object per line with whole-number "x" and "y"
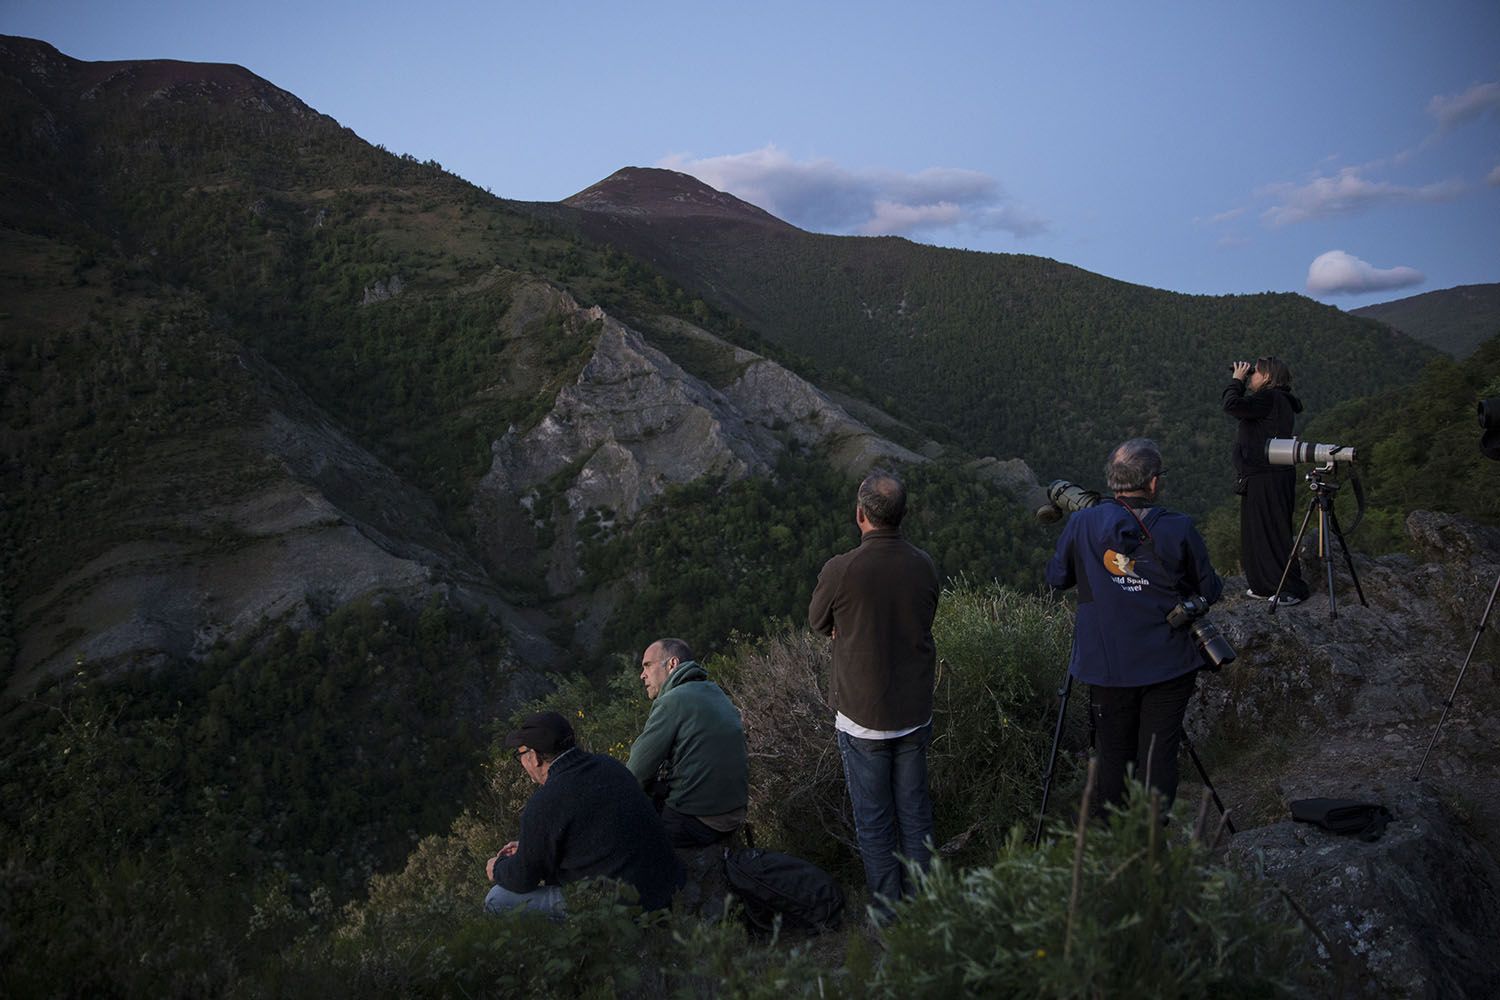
{"x": 879, "y": 601}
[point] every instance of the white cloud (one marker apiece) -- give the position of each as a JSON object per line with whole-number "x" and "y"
{"x": 1340, "y": 273}
{"x": 1493, "y": 179}
{"x": 1347, "y": 193}
{"x": 1222, "y": 217}
{"x": 1452, "y": 110}
{"x": 823, "y": 196}
{"x": 894, "y": 217}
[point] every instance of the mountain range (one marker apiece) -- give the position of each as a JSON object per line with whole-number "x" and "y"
{"x": 256, "y": 367}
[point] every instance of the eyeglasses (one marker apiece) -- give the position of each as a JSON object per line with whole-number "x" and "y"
{"x": 522, "y": 752}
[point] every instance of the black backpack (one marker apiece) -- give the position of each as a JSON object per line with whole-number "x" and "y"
{"x": 770, "y": 883}
{"x": 1346, "y": 817}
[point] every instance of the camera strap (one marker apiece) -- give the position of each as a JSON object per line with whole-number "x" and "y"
{"x": 1131, "y": 511}
{"x": 1148, "y": 542}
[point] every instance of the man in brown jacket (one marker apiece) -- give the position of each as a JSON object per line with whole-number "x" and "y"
{"x": 878, "y": 601}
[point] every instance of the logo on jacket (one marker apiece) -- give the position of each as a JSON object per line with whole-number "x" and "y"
{"x": 1121, "y": 569}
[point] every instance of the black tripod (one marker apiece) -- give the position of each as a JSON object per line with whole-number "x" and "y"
{"x": 1323, "y": 490}
{"x": 1483, "y": 620}
{"x": 1062, "y": 712}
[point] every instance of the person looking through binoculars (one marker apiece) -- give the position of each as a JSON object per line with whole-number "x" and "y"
{"x": 1134, "y": 562}
{"x": 1259, "y": 397}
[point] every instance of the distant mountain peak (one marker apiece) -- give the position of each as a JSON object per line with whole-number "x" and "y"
{"x": 663, "y": 194}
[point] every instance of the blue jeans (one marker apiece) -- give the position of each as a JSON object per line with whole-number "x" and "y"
{"x": 887, "y": 782}
{"x": 546, "y": 899}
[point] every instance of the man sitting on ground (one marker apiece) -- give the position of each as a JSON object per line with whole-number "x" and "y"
{"x": 694, "y": 736}
{"x": 587, "y": 819}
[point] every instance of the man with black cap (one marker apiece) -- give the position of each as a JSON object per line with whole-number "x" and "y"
{"x": 588, "y": 819}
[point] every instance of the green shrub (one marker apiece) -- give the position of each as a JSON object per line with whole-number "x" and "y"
{"x": 1002, "y": 655}
{"x": 1151, "y": 916}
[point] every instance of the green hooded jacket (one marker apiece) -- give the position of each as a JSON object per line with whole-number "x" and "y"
{"x": 695, "y": 730}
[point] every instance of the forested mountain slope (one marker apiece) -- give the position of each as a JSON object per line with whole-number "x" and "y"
{"x": 1002, "y": 354}
{"x": 1455, "y": 320}
{"x": 255, "y": 367}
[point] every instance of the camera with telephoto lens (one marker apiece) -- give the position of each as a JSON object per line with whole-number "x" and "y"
{"x": 1212, "y": 646}
{"x": 1064, "y": 497}
{"x": 1292, "y": 451}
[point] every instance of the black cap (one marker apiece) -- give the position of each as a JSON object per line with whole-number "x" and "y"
{"x": 546, "y": 732}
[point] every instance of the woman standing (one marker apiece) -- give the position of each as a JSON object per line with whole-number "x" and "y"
{"x": 1259, "y": 397}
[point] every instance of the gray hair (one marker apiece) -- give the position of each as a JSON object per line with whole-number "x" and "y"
{"x": 883, "y": 499}
{"x": 1131, "y": 466}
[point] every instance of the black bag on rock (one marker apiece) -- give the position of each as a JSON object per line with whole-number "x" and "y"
{"x": 1346, "y": 817}
{"x": 769, "y": 883}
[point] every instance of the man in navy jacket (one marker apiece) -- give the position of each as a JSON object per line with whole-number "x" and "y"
{"x": 587, "y": 819}
{"x": 1132, "y": 562}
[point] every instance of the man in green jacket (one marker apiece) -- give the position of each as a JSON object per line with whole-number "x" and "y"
{"x": 694, "y": 741}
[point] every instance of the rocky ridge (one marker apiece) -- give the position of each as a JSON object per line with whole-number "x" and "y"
{"x": 1345, "y": 707}
{"x": 634, "y": 423}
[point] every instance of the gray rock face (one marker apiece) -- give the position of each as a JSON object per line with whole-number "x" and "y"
{"x": 1345, "y": 707}
{"x": 635, "y": 423}
{"x": 1413, "y": 914}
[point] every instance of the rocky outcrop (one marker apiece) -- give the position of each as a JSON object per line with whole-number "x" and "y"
{"x": 634, "y": 423}
{"x": 1413, "y": 914}
{"x": 1319, "y": 706}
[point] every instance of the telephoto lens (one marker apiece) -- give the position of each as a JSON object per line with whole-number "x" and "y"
{"x": 1212, "y": 646}
{"x": 1293, "y": 451}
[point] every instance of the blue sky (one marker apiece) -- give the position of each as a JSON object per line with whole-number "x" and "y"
{"x": 1350, "y": 151}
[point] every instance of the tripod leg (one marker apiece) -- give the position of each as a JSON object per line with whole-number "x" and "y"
{"x": 1203, "y": 773}
{"x": 1326, "y": 552}
{"x": 1062, "y": 714}
{"x": 1296, "y": 544}
{"x": 1483, "y": 620}
{"x": 1348, "y": 559}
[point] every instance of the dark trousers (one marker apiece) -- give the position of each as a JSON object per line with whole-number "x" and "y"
{"x": 688, "y": 831}
{"x": 1140, "y": 728}
{"x": 1266, "y": 533}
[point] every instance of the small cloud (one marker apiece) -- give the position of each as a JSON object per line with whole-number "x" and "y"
{"x": 1453, "y": 110}
{"x": 826, "y": 197}
{"x": 1221, "y": 218}
{"x": 1347, "y": 193}
{"x": 1340, "y": 273}
{"x": 1493, "y": 179}
{"x": 894, "y": 217}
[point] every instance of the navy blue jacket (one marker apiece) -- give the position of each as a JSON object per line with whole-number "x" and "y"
{"x": 591, "y": 819}
{"x": 1126, "y": 587}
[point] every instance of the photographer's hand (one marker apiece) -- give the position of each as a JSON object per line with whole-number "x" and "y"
{"x": 504, "y": 852}
{"x": 1241, "y": 370}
